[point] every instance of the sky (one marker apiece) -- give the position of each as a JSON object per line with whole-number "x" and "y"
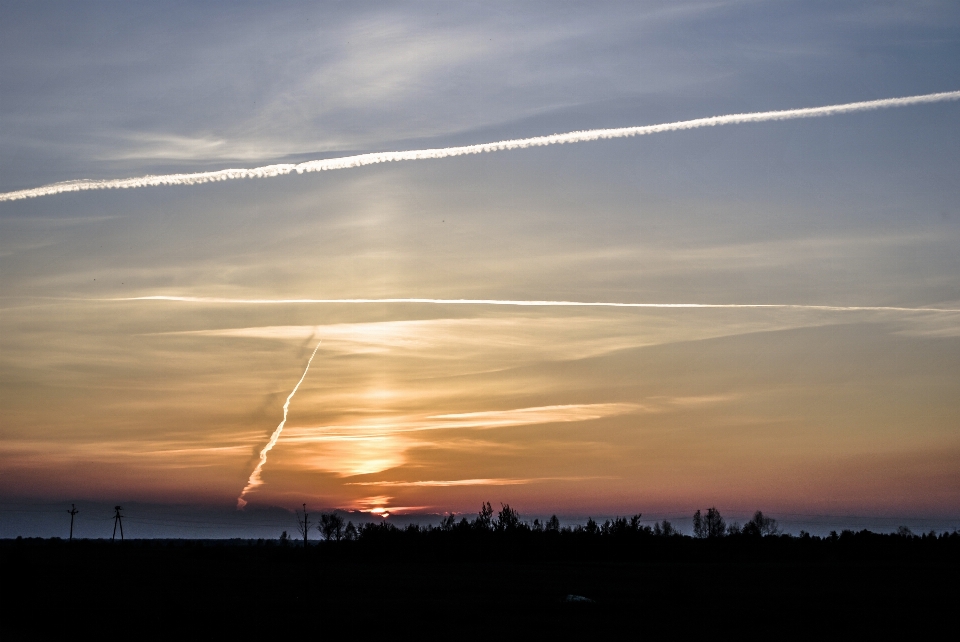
{"x": 812, "y": 415}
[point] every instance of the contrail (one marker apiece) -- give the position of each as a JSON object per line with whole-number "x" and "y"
{"x": 255, "y": 480}
{"x": 445, "y": 152}
{"x": 575, "y": 304}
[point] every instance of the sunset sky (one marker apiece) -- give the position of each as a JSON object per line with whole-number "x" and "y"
{"x": 430, "y": 408}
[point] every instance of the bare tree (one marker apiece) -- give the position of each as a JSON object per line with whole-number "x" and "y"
{"x": 711, "y": 525}
{"x": 666, "y": 529}
{"x": 716, "y": 527}
{"x": 761, "y": 526}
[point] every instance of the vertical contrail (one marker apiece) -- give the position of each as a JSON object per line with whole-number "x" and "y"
{"x": 255, "y": 480}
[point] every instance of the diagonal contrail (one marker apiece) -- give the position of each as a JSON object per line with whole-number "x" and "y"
{"x": 574, "y": 304}
{"x": 255, "y": 479}
{"x": 445, "y": 152}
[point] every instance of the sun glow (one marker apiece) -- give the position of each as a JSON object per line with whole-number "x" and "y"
{"x": 379, "y": 506}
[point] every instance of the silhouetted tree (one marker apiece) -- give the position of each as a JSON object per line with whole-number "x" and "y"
{"x": 620, "y": 526}
{"x": 734, "y": 529}
{"x": 615, "y": 527}
{"x": 284, "y": 538}
{"x": 537, "y": 526}
{"x": 331, "y": 525}
{"x": 591, "y": 528}
{"x": 711, "y": 525}
{"x": 553, "y": 524}
{"x": 507, "y": 519}
{"x": 666, "y": 529}
{"x": 484, "y": 520}
{"x": 448, "y": 522}
{"x": 761, "y": 526}
{"x": 699, "y": 528}
{"x": 716, "y": 527}
{"x": 904, "y": 531}
{"x": 350, "y": 532}
{"x": 376, "y": 531}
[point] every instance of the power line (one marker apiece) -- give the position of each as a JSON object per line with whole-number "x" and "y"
{"x": 303, "y": 524}
{"x": 73, "y": 511}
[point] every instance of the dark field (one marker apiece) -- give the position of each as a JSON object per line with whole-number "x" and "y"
{"x": 482, "y": 585}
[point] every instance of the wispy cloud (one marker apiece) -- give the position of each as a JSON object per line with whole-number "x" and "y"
{"x": 470, "y": 420}
{"x": 695, "y": 401}
{"x": 145, "y": 454}
{"x": 942, "y": 326}
{"x": 178, "y": 147}
{"x": 512, "y": 339}
{"x": 371, "y": 446}
{"x": 530, "y": 416}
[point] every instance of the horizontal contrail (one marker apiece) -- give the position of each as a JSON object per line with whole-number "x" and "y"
{"x": 472, "y": 482}
{"x": 255, "y": 479}
{"x": 445, "y": 152}
{"x": 574, "y": 304}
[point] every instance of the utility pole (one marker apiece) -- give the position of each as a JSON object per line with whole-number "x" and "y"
{"x": 303, "y": 524}
{"x": 117, "y": 521}
{"x": 73, "y": 511}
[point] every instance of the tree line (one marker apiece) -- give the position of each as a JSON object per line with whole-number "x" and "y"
{"x": 708, "y": 524}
